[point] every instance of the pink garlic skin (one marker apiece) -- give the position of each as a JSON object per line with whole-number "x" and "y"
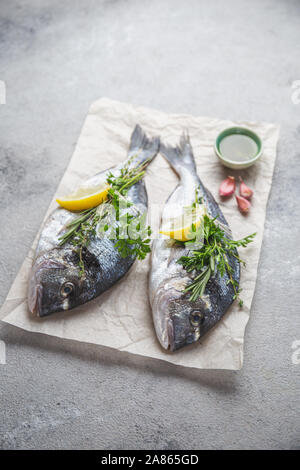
{"x": 243, "y": 204}
{"x": 244, "y": 190}
{"x": 227, "y": 187}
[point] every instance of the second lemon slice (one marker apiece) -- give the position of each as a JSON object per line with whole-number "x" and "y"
{"x": 183, "y": 227}
{"x": 85, "y": 197}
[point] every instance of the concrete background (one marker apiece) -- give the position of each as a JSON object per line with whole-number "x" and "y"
{"x": 233, "y": 59}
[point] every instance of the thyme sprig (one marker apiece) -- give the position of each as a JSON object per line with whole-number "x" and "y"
{"x": 128, "y": 176}
{"x": 211, "y": 257}
{"x": 81, "y": 229}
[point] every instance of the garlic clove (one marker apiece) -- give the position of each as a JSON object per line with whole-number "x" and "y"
{"x": 227, "y": 186}
{"x": 245, "y": 191}
{"x": 243, "y": 204}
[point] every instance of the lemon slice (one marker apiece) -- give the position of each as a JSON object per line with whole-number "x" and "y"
{"x": 85, "y": 197}
{"x": 183, "y": 227}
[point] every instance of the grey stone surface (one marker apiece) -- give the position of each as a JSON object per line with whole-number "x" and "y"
{"x": 235, "y": 59}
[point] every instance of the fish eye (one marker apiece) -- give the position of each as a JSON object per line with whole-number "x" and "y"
{"x": 66, "y": 289}
{"x": 196, "y": 318}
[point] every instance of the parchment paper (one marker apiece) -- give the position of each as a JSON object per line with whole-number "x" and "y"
{"x": 121, "y": 317}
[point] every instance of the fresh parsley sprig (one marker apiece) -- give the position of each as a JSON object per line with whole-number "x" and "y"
{"x": 212, "y": 256}
{"x": 83, "y": 228}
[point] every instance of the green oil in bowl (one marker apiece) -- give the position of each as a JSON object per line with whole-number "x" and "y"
{"x": 238, "y": 147}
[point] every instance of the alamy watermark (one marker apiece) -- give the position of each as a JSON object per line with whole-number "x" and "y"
{"x": 2, "y": 352}
{"x": 295, "y": 96}
{"x": 2, "y": 92}
{"x": 296, "y": 352}
{"x": 128, "y": 222}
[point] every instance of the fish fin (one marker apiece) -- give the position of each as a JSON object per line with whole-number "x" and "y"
{"x": 181, "y": 157}
{"x": 142, "y": 147}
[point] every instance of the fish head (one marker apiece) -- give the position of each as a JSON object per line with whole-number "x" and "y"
{"x": 181, "y": 322}
{"x": 56, "y": 284}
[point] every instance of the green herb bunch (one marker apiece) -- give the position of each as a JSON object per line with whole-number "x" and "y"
{"x": 211, "y": 257}
{"x": 83, "y": 228}
{"x": 135, "y": 244}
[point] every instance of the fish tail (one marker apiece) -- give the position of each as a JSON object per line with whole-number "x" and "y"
{"x": 142, "y": 148}
{"x": 181, "y": 157}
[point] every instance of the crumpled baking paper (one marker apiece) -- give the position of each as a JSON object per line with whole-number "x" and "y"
{"x": 121, "y": 317}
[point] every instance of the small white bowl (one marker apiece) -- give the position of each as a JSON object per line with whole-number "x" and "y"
{"x": 241, "y": 131}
